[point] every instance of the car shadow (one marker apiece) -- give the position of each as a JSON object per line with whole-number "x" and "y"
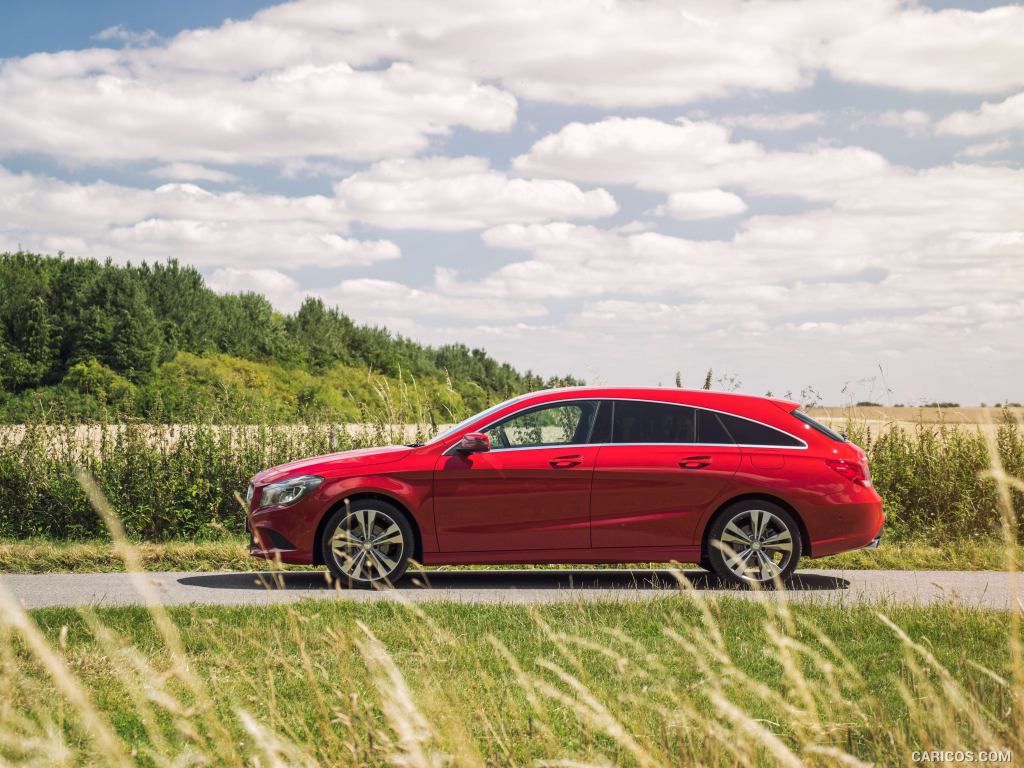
{"x": 640, "y": 579}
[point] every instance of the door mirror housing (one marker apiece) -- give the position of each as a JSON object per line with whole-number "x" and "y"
{"x": 474, "y": 442}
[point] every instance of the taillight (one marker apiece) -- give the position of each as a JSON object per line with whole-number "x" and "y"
{"x": 853, "y": 471}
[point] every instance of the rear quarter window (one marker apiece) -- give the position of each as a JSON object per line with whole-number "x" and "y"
{"x": 746, "y": 432}
{"x": 819, "y": 427}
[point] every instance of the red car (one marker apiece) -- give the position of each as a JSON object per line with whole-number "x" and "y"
{"x": 745, "y": 486}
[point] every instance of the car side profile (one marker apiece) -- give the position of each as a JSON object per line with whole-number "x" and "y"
{"x": 745, "y": 486}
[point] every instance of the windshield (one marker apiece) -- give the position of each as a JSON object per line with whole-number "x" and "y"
{"x": 466, "y": 422}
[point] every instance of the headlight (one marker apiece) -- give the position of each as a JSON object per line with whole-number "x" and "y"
{"x": 286, "y": 492}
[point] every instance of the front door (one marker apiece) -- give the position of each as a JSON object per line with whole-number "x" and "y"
{"x": 531, "y": 491}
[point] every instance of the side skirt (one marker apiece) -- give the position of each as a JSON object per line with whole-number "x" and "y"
{"x": 553, "y": 556}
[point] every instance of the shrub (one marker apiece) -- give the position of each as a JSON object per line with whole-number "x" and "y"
{"x": 175, "y": 482}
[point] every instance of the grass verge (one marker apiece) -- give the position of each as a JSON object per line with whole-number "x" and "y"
{"x": 671, "y": 682}
{"x": 43, "y": 556}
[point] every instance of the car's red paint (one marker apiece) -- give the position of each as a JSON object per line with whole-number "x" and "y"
{"x": 653, "y": 496}
{"x": 514, "y": 500}
{"x": 581, "y": 503}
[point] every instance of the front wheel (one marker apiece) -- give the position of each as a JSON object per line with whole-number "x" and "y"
{"x": 367, "y": 543}
{"x": 759, "y": 544}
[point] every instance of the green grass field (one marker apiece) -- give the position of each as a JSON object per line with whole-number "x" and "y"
{"x": 670, "y": 682}
{"x": 44, "y": 556}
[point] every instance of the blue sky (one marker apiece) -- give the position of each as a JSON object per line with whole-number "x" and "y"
{"x": 798, "y": 195}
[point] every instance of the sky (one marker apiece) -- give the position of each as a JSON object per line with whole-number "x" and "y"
{"x": 815, "y": 197}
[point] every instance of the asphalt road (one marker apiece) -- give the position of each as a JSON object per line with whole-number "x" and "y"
{"x": 984, "y": 589}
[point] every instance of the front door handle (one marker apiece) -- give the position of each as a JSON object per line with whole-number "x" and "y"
{"x": 695, "y": 462}
{"x": 565, "y": 462}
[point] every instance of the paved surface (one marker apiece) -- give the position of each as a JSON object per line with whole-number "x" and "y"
{"x": 979, "y": 589}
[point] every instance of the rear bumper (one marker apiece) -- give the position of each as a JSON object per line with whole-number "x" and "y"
{"x": 845, "y": 527}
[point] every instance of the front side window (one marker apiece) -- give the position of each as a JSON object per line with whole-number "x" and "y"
{"x": 552, "y": 424}
{"x": 475, "y": 417}
{"x": 640, "y": 422}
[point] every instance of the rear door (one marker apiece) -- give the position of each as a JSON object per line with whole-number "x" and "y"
{"x": 531, "y": 491}
{"x": 664, "y": 464}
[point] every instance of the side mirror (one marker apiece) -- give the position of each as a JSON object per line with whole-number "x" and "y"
{"x": 474, "y": 442}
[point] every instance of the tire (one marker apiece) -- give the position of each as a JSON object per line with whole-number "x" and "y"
{"x": 705, "y": 563}
{"x": 355, "y": 565}
{"x": 762, "y": 558}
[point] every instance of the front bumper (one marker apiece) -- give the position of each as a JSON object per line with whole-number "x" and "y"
{"x": 286, "y": 534}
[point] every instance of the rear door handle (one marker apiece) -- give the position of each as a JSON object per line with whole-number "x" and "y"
{"x": 695, "y": 462}
{"x": 565, "y": 462}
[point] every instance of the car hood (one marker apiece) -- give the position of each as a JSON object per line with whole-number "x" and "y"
{"x": 333, "y": 463}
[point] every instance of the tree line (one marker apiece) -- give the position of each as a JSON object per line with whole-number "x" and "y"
{"x": 71, "y": 327}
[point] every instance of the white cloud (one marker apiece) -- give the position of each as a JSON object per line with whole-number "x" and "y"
{"x": 1005, "y": 115}
{"x": 461, "y": 193}
{"x": 125, "y": 35}
{"x": 691, "y": 156}
{"x": 372, "y": 301}
{"x": 369, "y": 300}
{"x": 913, "y": 261}
{"x": 918, "y": 49}
{"x": 909, "y": 120}
{"x": 282, "y": 291}
{"x": 192, "y": 172}
{"x": 773, "y": 121}
{"x": 306, "y": 80}
{"x": 702, "y": 204}
{"x": 183, "y": 220}
{"x": 657, "y": 53}
{"x": 572, "y": 52}
{"x": 649, "y": 153}
{"x": 989, "y": 148}
{"x": 636, "y": 225}
{"x": 108, "y": 105}
{"x": 301, "y": 168}
{"x": 933, "y": 265}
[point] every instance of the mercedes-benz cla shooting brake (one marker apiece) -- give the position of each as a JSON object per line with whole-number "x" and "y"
{"x": 745, "y": 486}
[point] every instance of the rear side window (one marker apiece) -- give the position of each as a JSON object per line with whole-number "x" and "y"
{"x": 745, "y": 432}
{"x": 710, "y": 429}
{"x": 638, "y": 422}
{"x": 816, "y": 425}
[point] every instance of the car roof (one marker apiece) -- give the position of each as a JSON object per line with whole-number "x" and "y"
{"x": 698, "y": 397}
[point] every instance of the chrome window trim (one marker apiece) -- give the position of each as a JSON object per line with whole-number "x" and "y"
{"x": 803, "y": 447}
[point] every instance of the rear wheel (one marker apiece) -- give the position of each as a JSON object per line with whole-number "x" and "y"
{"x": 760, "y": 543}
{"x": 367, "y": 543}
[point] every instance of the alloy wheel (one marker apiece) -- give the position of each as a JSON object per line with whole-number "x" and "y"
{"x": 761, "y": 545}
{"x": 368, "y": 545}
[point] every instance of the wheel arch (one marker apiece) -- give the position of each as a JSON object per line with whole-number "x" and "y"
{"x": 805, "y": 539}
{"x": 417, "y": 555}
